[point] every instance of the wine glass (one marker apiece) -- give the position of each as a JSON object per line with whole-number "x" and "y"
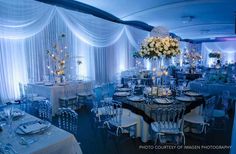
{"x": 8, "y": 111}
{"x": 129, "y": 84}
{"x": 181, "y": 88}
{"x": 133, "y": 87}
{"x": 139, "y": 81}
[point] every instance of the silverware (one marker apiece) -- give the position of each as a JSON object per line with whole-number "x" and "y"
{"x": 10, "y": 146}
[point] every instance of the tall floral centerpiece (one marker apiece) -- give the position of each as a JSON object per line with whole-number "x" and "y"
{"x": 58, "y": 57}
{"x": 59, "y": 60}
{"x": 156, "y": 47}
{"x": 192, "y": 58}
{"x": 160, "y": 49}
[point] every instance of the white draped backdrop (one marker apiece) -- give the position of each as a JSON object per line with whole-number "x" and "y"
{"x": 28, "y": 28}
{"x": 227, "y": 49}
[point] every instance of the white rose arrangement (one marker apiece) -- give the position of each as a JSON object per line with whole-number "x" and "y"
{"x": 155, "y": 47}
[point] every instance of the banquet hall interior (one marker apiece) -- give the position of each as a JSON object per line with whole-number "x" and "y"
{"x": 117, "y": 77}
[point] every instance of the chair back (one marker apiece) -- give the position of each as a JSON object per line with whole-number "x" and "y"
{"x": 70, "y": 90}
{"x": 170, "y": 117}
{"x": 114, "y": 114}
{"x": 111, "y": 89}
{"x": 45, "y": 110}
{"x": 114, "y": 111}
{"x": 98, "y": 94}
{"x": 224, "y": 100}
{"x": 209, "y": 108}
{"x": 68, "y": 120}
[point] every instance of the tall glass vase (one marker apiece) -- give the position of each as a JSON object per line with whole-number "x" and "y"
{"x": 163, "y": 68}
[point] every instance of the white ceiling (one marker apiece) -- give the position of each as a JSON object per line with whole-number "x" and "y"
{"x": 211, "y": 18}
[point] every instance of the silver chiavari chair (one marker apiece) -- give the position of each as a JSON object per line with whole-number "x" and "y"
{"x": 45, "y": 110}
{"x": 68, "y": 120}
{"x": 169, "y": 122}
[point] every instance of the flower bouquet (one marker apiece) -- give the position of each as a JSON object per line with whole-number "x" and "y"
{"x": 155, "y": 47}
{"x": 215, "y": 55}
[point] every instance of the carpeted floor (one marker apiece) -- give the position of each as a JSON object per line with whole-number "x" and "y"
{"x": 96, "y": 141}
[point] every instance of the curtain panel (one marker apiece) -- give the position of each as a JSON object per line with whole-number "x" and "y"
{"x": 29, "y": 28}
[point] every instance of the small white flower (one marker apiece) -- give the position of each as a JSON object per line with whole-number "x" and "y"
{"x": 165, "y": 47}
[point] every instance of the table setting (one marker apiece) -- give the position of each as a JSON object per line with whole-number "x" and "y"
{"x": 185, "y": 99}
{"x": 193, "y": 94}
{"x": 55, "y": 91}
{"x": 136, "y": 98}
{"x": 122, "y": 94}
{"x": 24, "y": 133}
{"x": 123, "y": 89}
{"x": 163, "y": 101}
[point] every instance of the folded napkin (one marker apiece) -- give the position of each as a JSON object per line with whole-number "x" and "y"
{"x": 160, "y": 100}
{"x": 121, "y": 93}
{"x": 192, "y": 93}
{"x": 33, "y": 127}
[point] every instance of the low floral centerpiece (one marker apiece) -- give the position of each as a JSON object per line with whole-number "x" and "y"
{"x": 215, "y": 55}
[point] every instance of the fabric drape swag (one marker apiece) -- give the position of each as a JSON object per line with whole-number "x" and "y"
{"x": 28, "y": 28}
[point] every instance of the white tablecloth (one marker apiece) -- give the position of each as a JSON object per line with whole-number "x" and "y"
{"x": 213, "y": 88}
{"x": 53, "y": 93}
{"x": 142, "y": 127}
{"x": 53, "y": 141}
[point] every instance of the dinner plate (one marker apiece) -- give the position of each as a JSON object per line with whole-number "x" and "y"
{"x": 123, "y": 89}
{"x": 48, "y": 84}
{"x": 185, "y": 98}
{"x": 191, "y": 93}
{"x": 38, "y": 98}
{"x": 121, "y": 94}
{"x": 33, "y": 127}
{"x": 62, "y": 84}
{"x": 120, "y": 85}
{"x": 39, "y": 83}
{"x": 163, "y": 101}
{"x": 136, "y": 98}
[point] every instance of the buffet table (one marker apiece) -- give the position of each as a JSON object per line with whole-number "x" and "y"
{"x": 51, "y": 141}
{"x": 213, "y": 88}
{"x": 54, "y": 92}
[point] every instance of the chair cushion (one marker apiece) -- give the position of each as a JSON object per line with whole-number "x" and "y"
{"x": 85, "y": 94}
{"x": 218, "y": 113}
{"x": 194, "y": 118}
{"x": 125, "y": 122}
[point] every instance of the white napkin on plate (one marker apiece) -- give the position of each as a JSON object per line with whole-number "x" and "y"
{"x": 31, "y": 128}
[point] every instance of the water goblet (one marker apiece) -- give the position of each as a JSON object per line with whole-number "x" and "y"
{"x": 8, "y": 111}
{"x": 139, "y": 81}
